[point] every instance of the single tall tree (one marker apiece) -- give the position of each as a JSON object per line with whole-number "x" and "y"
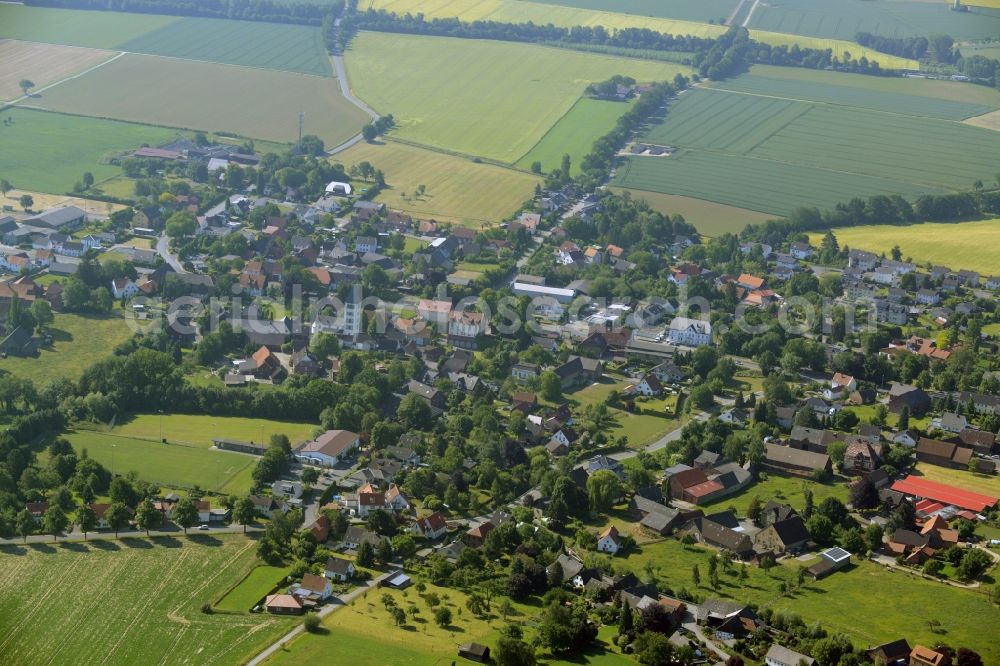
{"x": 148, "y": 516}
{"x": 244, "y": 512}
{"x": 26, "y": 201}
{"x": 25, "y": 524}
{"x": 117, "y": 515}
{"x": 186, "y": 514}
{"x": 86, "y": 518}
{"x": 55, "y": 521}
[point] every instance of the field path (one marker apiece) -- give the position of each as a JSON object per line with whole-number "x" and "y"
{"x": 345, "y": 89}
{"x": 736, "y": 12}
{"x": 746, "y": 21}
{"x": 68, "y": 78}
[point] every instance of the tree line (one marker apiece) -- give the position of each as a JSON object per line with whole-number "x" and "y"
{"x": 881, "y": 209}
{"x": 248, "y": 10}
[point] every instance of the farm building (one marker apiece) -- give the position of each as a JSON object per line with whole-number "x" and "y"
{"x": 795, "y": 461}
{"x": 831, "y": 559}
{"x": 945, "y": 494}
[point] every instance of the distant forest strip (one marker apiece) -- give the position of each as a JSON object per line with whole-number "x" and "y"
{"x": 272, "y": 11}
{"x": 730, "y": 54}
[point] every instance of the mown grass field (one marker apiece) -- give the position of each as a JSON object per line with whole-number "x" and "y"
{"x": 772, "y": 153}
{"x": 294, "y": 48}
{"x": 518, "y": 11}
{"x": 478, "y": 97}
{"x": 201, "y": 430}
{"x": 96, "y": 29}
{"x": 843, "y": 20}
{"x": 711, "y": 219}
{"x": 42, "y": 64}
{"x": 960, "y": 245}
{"x": 49, "y": 152}
{"x": 207, "y": 96}
{"x": 457, "y": 189}
{"x": 134, "y": 601}
{"x": 79, "y": 341}
{"x": 257, "y": 584}
{"x": 171, "y": 465}
{"x": 575, "y": 134}
{"x": 655, "y": 417}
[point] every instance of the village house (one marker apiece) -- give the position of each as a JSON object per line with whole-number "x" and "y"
{"x": 796, "y": 461}
{"x": 609, "y": 541}
{"x": 690, "y": 332}
{"x": 339, "y": 569}
{"x": 943, "y": 454}
{"x": 430, "y": 527}
{"x": 778, "y": 655}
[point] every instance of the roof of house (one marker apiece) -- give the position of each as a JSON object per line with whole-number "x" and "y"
{"x": 792, "y": 530}
{"x": 783, "y": 655}
{"x": 796, "y": 457}
{"x": 331, "y": 443}
{"x": 282, "y": 601}
{"x": 339, "y": 565}
{"x": 313, "y": 582}
{"x": 940, "y": 449}
{"x": 611, "y": 532}
{"x": 926, "y": 655}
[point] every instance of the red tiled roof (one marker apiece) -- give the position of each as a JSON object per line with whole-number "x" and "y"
{"x": 940, "y": 492}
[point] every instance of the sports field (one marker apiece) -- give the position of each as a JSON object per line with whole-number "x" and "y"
{"x": 519, "y": 11}
{"x": 457, "y": 189}
{"x": 198, "y": 95}
{"x": 171, "y": 465}
{"x": 711, "y": 219}
{"x": 478, "y": 97}
{"x": 294, "y": 48}
{"x": 575, "y": 134}
{"x": 133, "y": 602}
{"x": 79, "y": 341}
{"x": 968, "y": 245}
{"x": 754, "y": 149}
{"x": 49, "y": 152}
{"x": 844, "y": 19}
{"x": 201, "y": 430}
{"x": 41, "y": 64}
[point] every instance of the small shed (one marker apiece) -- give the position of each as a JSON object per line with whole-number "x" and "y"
{"x": 474, "y": 652}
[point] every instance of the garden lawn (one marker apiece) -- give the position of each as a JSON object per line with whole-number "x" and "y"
{"x": 862, "y": 591}
{"x": 258, "y": 583}
{"x": 960, "y": 478}
{"x": 575, "y": 134}
{"x": 479, "y": 97}
{"x": 134, "y": 601}
{"x": 967, "y": 245}
{"x": 782, "y": 488}
{"x": 211, "y": 97}
{"x": 457, "y": 188}
{"x": 363, "y": 634}
{"x": 285, "y": 46}
{"x": 49, "y": 152}
{"x": 173, "y": 465}
{"x": 199, "y": 430}
{"x": 79, "y": 341}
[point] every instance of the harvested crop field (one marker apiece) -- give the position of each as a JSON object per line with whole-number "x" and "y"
{"x": 206, "y": 96}
{"x": 457, "y": 189}
{"x": 479, "y": 97}
{"x": 42, "y": 64}
{"x": 133, "y": 601}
